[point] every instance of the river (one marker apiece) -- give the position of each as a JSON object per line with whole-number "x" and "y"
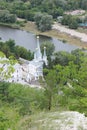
{"x": 28, "y": 40}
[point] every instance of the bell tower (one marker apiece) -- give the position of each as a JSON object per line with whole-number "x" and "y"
{"x": 38, "y": 51}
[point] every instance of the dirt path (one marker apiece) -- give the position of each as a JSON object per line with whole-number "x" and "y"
{"x": 71, "y": 32}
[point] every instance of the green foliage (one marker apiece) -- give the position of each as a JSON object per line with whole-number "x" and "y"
{"x": 17, "y": 100}
{"x": 6, "y": 17}
{"x": 50, "y": 88}
{"x": 79, "y": 54}
{"x": 43, "y": 21}
{"x": 6, "y": 67}
{"x": 66, "y": 83}
{"x": 83, "y": 4}
{"x": 71, "y": 21}
{"x": 8, "y": 118}
{"x": 55, "y": 12}
{"x": 64, "y": 87}
{"x": 4, "y": 91}
{"x": 32, "y": 102}
{"x": 38, "y": 18}
{"x": 28, "y": 8}
{"x": 63, "y": 58}
{"x": 49, "y": 48}
{"x": 2, "y": 55}
{"x": 35, "y": 2}
{"x": 10, "y": 49}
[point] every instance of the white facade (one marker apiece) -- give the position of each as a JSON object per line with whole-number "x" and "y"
{"x": 35, "y": 67}
{"x": 30, "y": 70}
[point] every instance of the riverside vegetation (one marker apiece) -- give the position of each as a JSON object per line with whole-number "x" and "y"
{"x": 27, "y": 8}
{"x": 41, "y": 11}
{"x": 64, "y": 88}
{"x": 65, "y": 79}
{"x": 42, "y": 14}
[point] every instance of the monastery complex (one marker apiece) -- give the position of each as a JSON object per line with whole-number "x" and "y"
{"x": 28, "y": 71}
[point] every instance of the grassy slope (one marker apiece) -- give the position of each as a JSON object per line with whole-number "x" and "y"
{"x": 54, "y": 121}
{"x": 31, "y": 27}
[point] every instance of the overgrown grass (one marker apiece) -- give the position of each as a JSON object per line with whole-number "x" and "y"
{"x": 53, "y": 121}
{"x": 2, "y": 55}
{"x": 15, "y": 26}
{"x": 82, "y": 30}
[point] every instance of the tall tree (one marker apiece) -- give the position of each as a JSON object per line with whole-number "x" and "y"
{"x": 43, "y": 21}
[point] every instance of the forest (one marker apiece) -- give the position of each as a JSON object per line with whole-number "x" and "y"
{"x": 41, "y": 11}
{"x": 64, "y": 88}
{"x": 9, "y": 48}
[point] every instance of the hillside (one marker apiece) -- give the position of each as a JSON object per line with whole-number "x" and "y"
{"x": 58, "y": 100}
{"x": 65, "y": 120}
{"x": 51, "y": 108}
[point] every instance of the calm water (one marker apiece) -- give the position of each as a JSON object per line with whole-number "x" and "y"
{"x": 28, "y": 40}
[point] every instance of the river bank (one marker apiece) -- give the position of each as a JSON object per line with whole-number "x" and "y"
{"x": 54, "y": 33}
{"x": 14, "y": 26}
{"x": 72, "y": 32}
{"x": 63, "y": 36}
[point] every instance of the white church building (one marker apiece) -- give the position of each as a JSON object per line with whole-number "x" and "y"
{"x": 30, "y": 70}
{"x": 35, "y": 67}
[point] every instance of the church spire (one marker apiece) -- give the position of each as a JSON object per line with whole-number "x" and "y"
{"x": 44, "y": 52}
{"x": 38, "y": 55}
{"x": 45, "y": 57}
{"x": 35, "y": 57}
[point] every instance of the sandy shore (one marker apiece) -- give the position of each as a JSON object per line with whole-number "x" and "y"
{"x": 71, "y": 32}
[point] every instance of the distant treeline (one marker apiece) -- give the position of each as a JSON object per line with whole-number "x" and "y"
{"x": 28, "y": 8}
{"x": 6, "y": 17}
{"x": 10, "y": 49}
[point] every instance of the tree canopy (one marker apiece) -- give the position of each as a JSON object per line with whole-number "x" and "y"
{"x": 64, "y": 87}
{"x": 43, "y": 21}
{"x": 10, "y": 49}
